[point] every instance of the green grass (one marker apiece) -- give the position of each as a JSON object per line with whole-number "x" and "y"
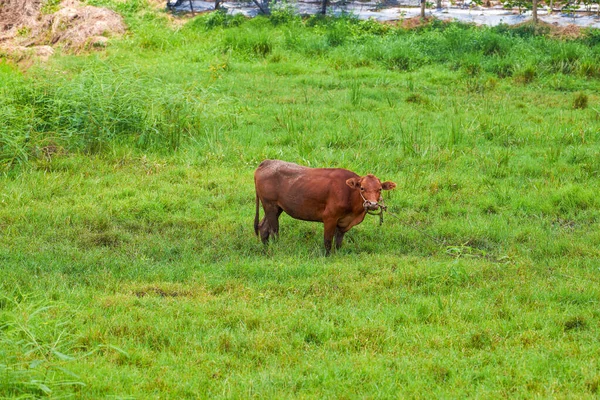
{"x": 128, "y": 262}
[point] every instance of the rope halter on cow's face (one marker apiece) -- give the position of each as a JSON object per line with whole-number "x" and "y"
{"x": 370, "y": 183}
{"x": 370, "y": 207}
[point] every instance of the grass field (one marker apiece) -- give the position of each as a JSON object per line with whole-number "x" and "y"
{"x": 129, "y": 265}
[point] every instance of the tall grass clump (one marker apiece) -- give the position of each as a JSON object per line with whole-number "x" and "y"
{"x": 249, "y": 41}
{"x": 17, "y": 132}
{"x": 580, "y": 101}
{"x": 37, "y": 345}
{"x": 213, "y": 20}
{"x": 403, "y": 56}
{"x": 13, "y": 138}
{"x": 92, "y": 113}
{"x": 525, "y": 30}
{"x": 100, "y": 104}
{"x": 565, "y": 56}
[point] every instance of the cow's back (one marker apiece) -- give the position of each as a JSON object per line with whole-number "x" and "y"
{"x": 302, "y": 192}
{"x": 276, "y": 169}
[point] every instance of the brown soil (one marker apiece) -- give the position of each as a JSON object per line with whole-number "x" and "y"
{"x": 414, "y": 22}
{"x": 15, "y": 14}
{"x": 411, "y": 23}
{"x": 555, "y": 31}
{"x": 25, "y": 30}
{"x": 566, "y": 32}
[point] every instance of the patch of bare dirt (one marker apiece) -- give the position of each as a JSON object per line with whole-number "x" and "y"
{"x": 566, "y": 32}
{"x": 26, "y": 31}
{"x": 15, "y": 14}
{"x": 554, "y": 30}
{"x": 412, "y": 22}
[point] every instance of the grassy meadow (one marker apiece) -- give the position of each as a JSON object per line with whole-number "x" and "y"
{"x": 128, "y": 262}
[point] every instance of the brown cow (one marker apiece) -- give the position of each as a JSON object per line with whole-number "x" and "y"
{"x": 337, "y": 197}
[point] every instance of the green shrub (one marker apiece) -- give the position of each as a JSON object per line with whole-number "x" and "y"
{"x": 215, "y": 19}
{"x": 283, "y": 13}
{"x": 491, "y": 43}
{"x": 527, "y": 30}
{"x": 591, "y": 36}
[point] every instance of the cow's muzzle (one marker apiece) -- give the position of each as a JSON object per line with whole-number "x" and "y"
{"x": 369, "y": 205}
{"x": 370, "y": 208}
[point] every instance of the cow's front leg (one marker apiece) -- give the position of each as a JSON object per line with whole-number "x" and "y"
{"x": 339, "y": 237}
{"x": 330, "y": 228}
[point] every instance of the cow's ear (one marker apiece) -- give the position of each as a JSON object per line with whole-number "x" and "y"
{"x": 354, "y": 183}
{"x": 388, "y": 185}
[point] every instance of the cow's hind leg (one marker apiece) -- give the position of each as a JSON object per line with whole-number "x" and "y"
{"x": 269, "y": 226}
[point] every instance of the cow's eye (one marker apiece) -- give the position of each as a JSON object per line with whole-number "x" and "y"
{"x": 362, "y": 189}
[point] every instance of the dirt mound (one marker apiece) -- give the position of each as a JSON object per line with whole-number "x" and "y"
{"x": 24, "y": 28}
{"x": 566, "y": 32}
{"x": 411, "y": 22}
{"x": 15, "y": 14}
{"x": 553, "y": 30}
{"x": 414, "y": 22}
{"x": 77, "y": 26}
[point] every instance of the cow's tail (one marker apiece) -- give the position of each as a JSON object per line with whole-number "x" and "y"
{"x": 256, "y": 216}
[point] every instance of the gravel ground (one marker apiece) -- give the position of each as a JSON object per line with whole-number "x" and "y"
{"x": 407, "y": 9}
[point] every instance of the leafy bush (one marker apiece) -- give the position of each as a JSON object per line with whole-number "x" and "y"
{"x": 492, "y": 43}
{"x": 215, "y": 19}
{"x": 283, "y": 13}
{"x": 524, "y": 30}
{"x": 591, "y": 36}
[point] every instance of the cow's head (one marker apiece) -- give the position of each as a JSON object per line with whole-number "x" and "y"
{"x": 370, "y": 188}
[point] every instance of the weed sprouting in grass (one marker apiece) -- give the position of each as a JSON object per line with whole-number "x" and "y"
{"x": 589, "y": 68}
{"x": 500, "y": 66}
{"x": 417, "y": 98}
{"x": 415, "y": 141}
{"x": 36, "y": 341}
{"x": 13, "y": 151}
{"x": 456, "y": 134}
{"x": 553, "y": 154}
{"x": 526, "y": 74}
{"x": 355, "y": 93}
{"x": 498, "y": 131}
{"x": 249, "y": 42}
{"x": 580, "y": 101}
{"x": 471, "y": 67}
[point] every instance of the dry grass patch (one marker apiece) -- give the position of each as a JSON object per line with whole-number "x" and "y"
{"x": 26, "y": 31}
